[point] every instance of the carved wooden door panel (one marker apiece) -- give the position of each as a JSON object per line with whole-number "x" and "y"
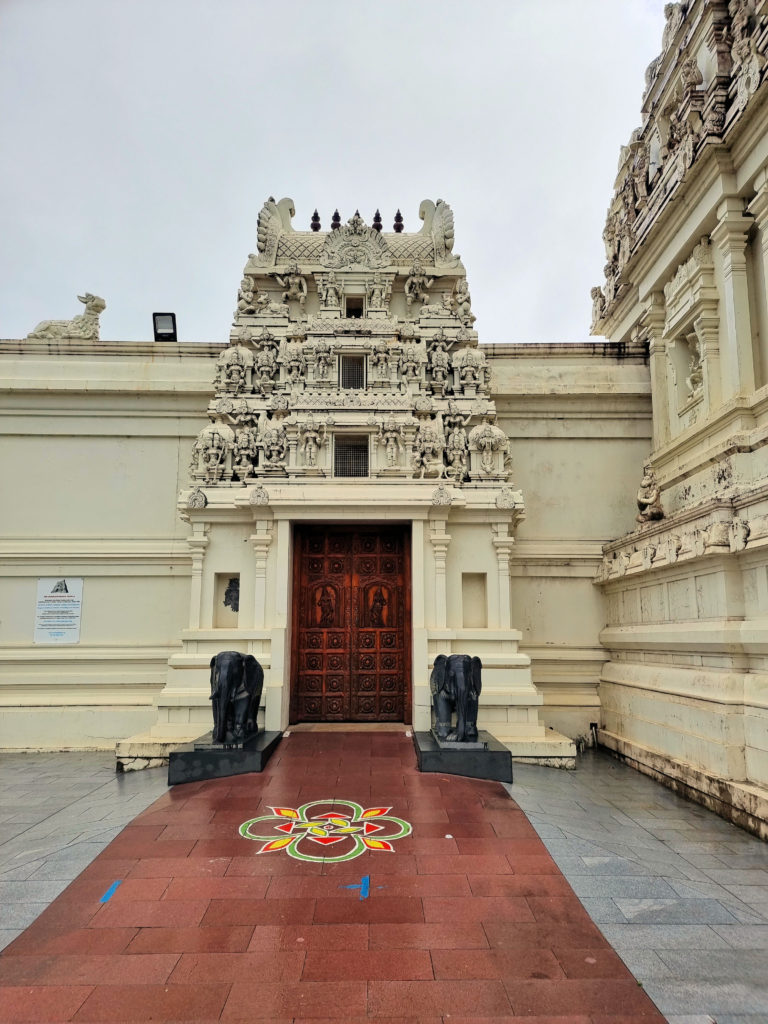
{"x": 351, "y": 659}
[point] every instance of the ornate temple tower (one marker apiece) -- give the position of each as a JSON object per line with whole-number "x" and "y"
{"x": 351, "y": 511}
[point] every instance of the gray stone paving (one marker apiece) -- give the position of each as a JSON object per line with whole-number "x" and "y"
{"x": 57, "y": 812}
{"x": 679, "y": 893}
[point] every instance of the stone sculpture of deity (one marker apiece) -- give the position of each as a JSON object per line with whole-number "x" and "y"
{"x": 313, "y": 437}
{"x": 417, "y": 285}
{"x": 295, "y": 285}
{"x": 649, "y": 497}
{"x": 391, "y": 436}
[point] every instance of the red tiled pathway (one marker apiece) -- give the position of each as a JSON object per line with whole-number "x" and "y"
{"x": 468, "y": 920}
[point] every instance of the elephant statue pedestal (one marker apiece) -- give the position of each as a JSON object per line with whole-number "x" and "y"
{"x": 234, "y": 746}
{"x": 485, "y": 759}
{"x": 457, "y": 748}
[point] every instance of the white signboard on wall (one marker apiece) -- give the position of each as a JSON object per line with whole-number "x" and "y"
{"x": 58, "y": 610}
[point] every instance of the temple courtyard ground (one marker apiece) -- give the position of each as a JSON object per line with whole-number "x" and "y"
{"x": 588, "y": 897}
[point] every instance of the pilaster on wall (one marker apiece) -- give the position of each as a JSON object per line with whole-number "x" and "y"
{"x": 197, "y": 542}
{"x": 261, "y": 541}
{"x": 737, "y": 357}
{"x": 440, "y": 541}
{"x": 503, "y": 543}
{"x": 653, "y": 324}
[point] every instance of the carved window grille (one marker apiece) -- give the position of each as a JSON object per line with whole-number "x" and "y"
{"x": 352, "y": 372}
{"x": 350, "y": 456}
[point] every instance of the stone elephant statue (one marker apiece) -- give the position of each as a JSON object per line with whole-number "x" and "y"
{"x": 455, "y": 684}
{"x": 236, "y": 684}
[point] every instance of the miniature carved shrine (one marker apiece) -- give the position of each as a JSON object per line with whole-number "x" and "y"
{"x": 352, "y": 353}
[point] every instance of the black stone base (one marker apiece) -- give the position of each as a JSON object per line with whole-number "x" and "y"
{"x": 207, "y": 760}
{"x": 493, "y": 761}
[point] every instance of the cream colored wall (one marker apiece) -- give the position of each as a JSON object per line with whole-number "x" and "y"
{"x": 581, "y": 428}
{"x": 684, "y": 691}
{"x": 95, "y": 440}
{"x": 98, "y": 437}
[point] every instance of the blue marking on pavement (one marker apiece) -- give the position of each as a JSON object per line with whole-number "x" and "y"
{"x": 364, "y": 887}
{"x": 110, "y": 891}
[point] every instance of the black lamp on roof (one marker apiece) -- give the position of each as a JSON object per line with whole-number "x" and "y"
{"x": 164, "y": 325}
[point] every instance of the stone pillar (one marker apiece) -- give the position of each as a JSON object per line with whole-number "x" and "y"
{"x": 759, "y": 210}
{"x": 503, "y": 544}
{"x": 653, "y": 324}
{"x": 440, "y": 541}
{"x": 737, "y": 357}
{"x": 261, "y": 541}
{"x": 707, "y": 328}
{"x": 197, "y": 544}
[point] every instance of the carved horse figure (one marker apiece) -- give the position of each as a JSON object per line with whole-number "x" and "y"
{"x": 236, "y": 684}
{"x": 455, "y": 684}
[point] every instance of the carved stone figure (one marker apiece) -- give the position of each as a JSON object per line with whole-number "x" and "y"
{"x": 244, "y": 453}
{"x": 695, "y": 379}
{"x": 456, "y": 444}
{"x": 292, "y": 358}
{"x": 748, "y": 63}
{"x": 649, "y": 497}
{"x": 234, "y": 369}
{"x": 380, "y": 359}
{"x": 456, "y": 685}
{"x": 313, "y": 438}
{"x": 417, "y": 285}
{"x": 598, "y": 306}
{"x": 378, "y": 292}
{"x": 237, "y": 681}
{"x": 274, "y": 445}
{"x": 472, "y": 368}
{"x": 85, "y": 326}
{"x": 673, "y": 15}
{"x": 487, "y": 439}
{"x": 439, "y": 362}
{"x": 391, "y": 435}
{"x": 462, "y": 302}
{"x": 266, "y": 363}
{"x": 411, "y": 360}
{"x": 330, "y": 291}
{"x": 428, "y": 449}
{"x": 295, "y": 285}
{"x": 246, "y": 297}
{"x": 323, "y": 359}
{"x": 211, "y": 453}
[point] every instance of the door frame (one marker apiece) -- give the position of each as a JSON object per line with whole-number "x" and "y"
{"x": 365, "y": 526}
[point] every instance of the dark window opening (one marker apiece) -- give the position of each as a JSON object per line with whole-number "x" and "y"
{"x": 355, "y": 307}
{"x": 350, "y": 456}
{"x": 352, "y": 371}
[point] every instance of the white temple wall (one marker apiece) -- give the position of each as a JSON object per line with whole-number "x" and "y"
{"x": 683, "y": 692}
{"x": 97, "y": 441}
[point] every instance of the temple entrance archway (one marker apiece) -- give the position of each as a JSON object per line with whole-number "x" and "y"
{"x": 351, "y": 624}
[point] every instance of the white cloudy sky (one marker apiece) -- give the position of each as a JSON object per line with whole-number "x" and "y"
{"x": 139, "y": 139}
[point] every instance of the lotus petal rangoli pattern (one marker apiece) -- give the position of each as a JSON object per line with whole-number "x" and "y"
{"x": 342, "y": 830}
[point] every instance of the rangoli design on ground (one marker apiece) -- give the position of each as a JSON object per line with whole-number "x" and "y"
{"x": 341, "y": 830}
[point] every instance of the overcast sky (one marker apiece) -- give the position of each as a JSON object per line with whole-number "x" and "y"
{"x": 139, "y": 139}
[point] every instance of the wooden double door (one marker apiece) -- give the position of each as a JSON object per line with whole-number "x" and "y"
{"x": 351, "y": 624}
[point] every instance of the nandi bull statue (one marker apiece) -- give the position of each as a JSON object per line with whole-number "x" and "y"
{"x": 85, "y": 326}
{"x": 236, "y": 684}
{"x": 455, "y": 684}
